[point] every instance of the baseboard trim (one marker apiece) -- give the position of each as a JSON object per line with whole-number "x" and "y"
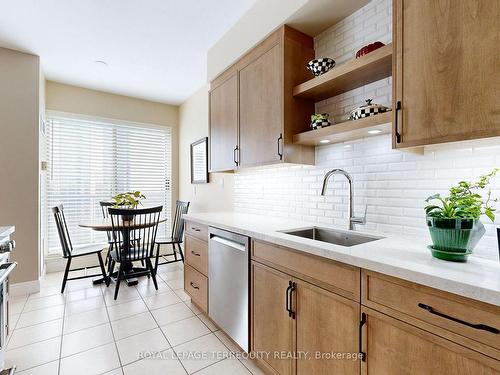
{"x": 27, "y": 287}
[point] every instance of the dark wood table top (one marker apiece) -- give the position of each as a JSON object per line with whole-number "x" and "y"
{"x": 104, "y": 225}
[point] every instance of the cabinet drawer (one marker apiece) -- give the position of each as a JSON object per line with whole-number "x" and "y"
{"x": 196, "y": 285}
{"x": 340, "y": 278}
{"x": 197, "y": 230}
{"x": 447, "y": 311}
{"x": 196, "y": 253}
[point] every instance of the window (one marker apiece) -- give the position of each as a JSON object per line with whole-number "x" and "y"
{"x": 92, "y": 160}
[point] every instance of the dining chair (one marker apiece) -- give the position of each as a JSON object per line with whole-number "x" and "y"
{"x": 142, "y": 224}
{"x": 176, "y": 238}
{"x": 69, "y": 252}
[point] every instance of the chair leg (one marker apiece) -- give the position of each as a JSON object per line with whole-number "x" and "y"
{"x": 180, "y": 252}
{"x": 157, "y": 256}
{"x": 66, "y": 272}
{"x": 118, "y": 279}
{"x": 103, "y": 270}
{"x": 108, "y": 255}
{"x": 175, "y": 252}
{"x": 152, "y": 271}
{"x": 110, "y": 273}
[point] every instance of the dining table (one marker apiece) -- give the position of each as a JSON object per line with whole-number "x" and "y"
{"x": 105, "y": 225}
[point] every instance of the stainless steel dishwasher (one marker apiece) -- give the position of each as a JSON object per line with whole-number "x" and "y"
{"x": 228, "y": 284}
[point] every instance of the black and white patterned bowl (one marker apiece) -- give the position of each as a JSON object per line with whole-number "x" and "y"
{"x": 320, "y": 66}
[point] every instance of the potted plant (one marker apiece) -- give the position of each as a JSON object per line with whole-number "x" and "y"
{"x": 128, "y": 200}
{"x": 454, "y": 221}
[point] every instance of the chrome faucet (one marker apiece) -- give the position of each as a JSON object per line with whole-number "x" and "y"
{"x": 352, "y": 220}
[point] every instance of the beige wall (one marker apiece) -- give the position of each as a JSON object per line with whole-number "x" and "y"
{"x": 19, "y": 123}
{"x": 216, "y": 195}
{"x": 72, "y": 99}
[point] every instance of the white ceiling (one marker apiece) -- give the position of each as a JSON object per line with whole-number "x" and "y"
{"x": 155, "y": 49}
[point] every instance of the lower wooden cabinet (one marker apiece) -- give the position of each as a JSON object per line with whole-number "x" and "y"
{"x": 196, "y": 286}
{"x": 294, "y": 322}
{"x": 394, "y": 348}
{"x": 271, "y": 327}
{"x": 327, "y": 327}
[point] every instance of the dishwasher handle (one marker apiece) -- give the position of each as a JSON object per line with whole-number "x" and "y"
{"x": 227, "y": 242}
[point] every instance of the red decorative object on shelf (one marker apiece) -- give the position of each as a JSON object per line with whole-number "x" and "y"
{"x": 368, "y": 48}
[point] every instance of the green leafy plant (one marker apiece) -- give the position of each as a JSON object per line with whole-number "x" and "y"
{"x": 464, "y": 201}
{"x": 129, "y": 199}
{"x": 318, "y": 117}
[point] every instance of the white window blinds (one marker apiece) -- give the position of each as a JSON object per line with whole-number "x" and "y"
{"x": 92, "y": 160}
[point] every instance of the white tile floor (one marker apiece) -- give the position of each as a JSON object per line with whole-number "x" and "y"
{"x": 144, "y": 331}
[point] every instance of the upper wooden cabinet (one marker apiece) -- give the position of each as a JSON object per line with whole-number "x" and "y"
{"x": 224, "y": 124}
{"x": 446, "y": 74}
{"x": 261, "y": 103}
{"x": 253, "y": 99}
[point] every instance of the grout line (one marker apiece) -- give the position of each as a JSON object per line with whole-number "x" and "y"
{"x": 207, "y": 334}
{"x": 112, "y": 332}
{"x": 161, "y": 330}
{"x": 62, "y": 331}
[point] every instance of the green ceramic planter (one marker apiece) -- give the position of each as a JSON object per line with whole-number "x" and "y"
{"x": 455, "y": 235}
{"x": 451, "y": 256}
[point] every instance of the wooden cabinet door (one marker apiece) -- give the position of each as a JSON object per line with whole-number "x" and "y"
{"x": 327, "y": 325}
{"x": 272, "y": 328}
{"x": 396, "y": 348}
{"x": 261, "y": 109}
{"x": 224, "y": 124}
{"x": 446, "y": 73}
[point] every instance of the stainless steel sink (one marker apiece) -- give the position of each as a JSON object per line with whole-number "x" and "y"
{"x": 337, "y": 237}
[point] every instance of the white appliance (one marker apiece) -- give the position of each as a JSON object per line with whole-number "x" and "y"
{"x": 6, "y": 267}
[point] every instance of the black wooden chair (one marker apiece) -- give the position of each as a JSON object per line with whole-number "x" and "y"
{"x": 142, "y": 225}
{"x": 69, "y": 253}
{"x": 181, "y": 208}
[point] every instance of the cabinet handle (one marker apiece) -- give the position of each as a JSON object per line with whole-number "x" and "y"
{"x": 483, "y": 327}
{"x": 288, "y": 302}
{"x": 398, "y": 134}
{"x": 280, "y": 146}
{"x": 362, "y": 322}
{"x": 287, "y": 296}
{"x": 194, "y": 285}
{"x": 195, "y": 254}
{"x": 235, "y": 155}
{"x": 195, "y": 229}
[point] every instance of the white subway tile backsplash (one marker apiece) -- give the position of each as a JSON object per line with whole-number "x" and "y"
{"x": 393, "y": 185}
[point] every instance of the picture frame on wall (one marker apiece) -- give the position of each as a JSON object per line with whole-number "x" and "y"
{"x": 199, "y": 161}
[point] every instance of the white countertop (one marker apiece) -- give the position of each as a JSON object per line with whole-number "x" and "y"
{"x": 404, "y": 257}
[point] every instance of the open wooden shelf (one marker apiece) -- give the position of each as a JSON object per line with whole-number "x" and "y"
{"x": 348, "y": 76}
{"x": 346, "y": 131}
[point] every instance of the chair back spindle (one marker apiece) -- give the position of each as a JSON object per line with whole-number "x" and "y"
{"x": 105, "y": 214}
{"x": 181, "y": 208}
{"x": 62, "y": 230}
